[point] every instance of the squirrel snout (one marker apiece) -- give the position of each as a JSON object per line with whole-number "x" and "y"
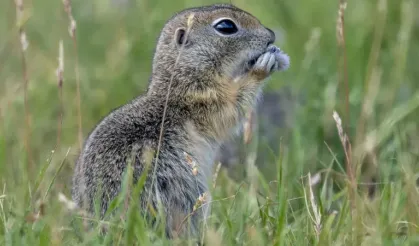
{"x": 271, "y": 37}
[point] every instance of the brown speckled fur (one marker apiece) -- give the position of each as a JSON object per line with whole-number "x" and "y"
{"x": 212, "y": 86}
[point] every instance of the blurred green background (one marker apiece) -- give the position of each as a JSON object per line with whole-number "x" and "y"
{"x": 116, "y": 39}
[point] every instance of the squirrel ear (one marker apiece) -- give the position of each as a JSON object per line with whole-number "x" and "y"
{"x": 180, "y": 37}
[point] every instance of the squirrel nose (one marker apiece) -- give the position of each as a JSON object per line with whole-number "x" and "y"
{"x": 272, "y": 36}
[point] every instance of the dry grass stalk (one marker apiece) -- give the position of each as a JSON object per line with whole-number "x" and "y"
{"x": 340, "y": 35}
{"x": 217, "y": 171}
{"x": 60, "y": 78}
{"x": 23, "y": 47}
{"x": 191, "y": 163}
{"x": 3, "y": 217}
{"x": 247, "y": 134}
{"x": 72, "y": 31}
{"x": 189, "y": 25}
{"x": 200, "y": 202}
{"x": 315, "y": 216}
{"x": 348, "y": 157}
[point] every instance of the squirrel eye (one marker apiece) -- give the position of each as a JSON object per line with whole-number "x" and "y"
{"x": 226, "y": 27}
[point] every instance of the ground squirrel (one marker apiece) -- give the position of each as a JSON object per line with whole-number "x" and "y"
{"x": 208, "y": 69}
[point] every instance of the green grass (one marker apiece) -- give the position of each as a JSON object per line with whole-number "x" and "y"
{"x": 115, "y": 46}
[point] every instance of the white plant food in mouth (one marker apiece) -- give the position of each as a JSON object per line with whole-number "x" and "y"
{"x": 282, "y": 58}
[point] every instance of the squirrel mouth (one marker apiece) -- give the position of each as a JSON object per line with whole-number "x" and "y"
{"x": 253, "y": 59}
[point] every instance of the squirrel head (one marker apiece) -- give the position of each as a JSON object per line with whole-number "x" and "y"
{"x": 200, "y": 50}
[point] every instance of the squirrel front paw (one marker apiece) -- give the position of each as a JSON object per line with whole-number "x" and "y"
{"x": 270, "y": 61}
